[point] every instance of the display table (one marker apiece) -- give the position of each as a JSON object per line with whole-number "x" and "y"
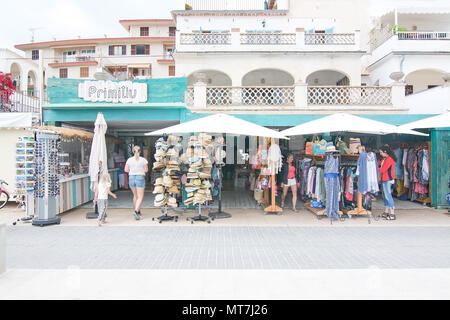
{"x": 75, "y": 190}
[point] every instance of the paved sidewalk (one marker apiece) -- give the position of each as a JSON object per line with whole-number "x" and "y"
{"x": 372, "y": 283}
{"x": 170, "y": 247}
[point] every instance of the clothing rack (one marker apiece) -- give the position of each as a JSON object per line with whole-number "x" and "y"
{"x": 273, "y": 208}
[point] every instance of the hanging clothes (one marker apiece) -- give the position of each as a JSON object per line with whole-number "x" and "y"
{"x": 331, "y": 175}
{"x": 399, "y": 164}
{"x": 405, "y": 168}
{"x": 275, "y": 158}
{"x": 367, "y": 170}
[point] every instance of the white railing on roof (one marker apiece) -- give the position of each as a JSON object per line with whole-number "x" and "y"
{"x": 219, "y": 5}
{"x": 189, "y": 96}
{"x": 268, "y": 38}
{"x": 329, "y": 38}
{"x": 421, "y": 35}
{"x": 250, "y": 96}
{"x": 344, "y": 95}
{"x": 205, "y": 38}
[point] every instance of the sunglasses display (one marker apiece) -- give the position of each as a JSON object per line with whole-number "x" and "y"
{"x": 47, "y": 167}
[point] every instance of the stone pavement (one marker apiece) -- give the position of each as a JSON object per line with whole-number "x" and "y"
{"x": 214, "y": 247}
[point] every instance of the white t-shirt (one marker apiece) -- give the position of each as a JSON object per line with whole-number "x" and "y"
{"x": 103, "y": 191}
{"x": 136, "y": 167}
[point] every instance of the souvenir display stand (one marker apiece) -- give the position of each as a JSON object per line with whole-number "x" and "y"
{"x": 167, "y": 184}
{"x": 219, "y": 214}
{"x": 272, "y": 208}
{"x": 47, "y": 186}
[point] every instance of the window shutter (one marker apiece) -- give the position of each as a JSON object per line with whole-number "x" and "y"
{"x": 124, "y": 50}
{"x": 133, "y": 49}
{"x": 111, "y": 50}
{"x": 147, "y": 49}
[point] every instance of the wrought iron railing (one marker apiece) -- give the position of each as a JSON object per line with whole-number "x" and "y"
{"x": 189, "y": 96}
{"x": 268, "y": 38}
{"x": 329, "y": 38}
{"x": 205, "y": 38}
{"x": 219, "y": 5}
{"x": 19, "y": 102}
{"x": 344, "y": 95}
{"x": 250, "y": 96}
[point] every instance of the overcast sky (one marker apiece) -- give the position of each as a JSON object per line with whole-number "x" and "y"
{"x": 67, "y": 19}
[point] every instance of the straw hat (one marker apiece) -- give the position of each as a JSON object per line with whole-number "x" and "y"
{"x": 207, "y": 163}
{"x": 174, "y": 189}
{"x": 332, "y": 149}
{"x": 158, "y": 165}
{"x": 219, "y": 141}
{"x": 206, "y": 184}
{"x": 159, "y": 181}
{"x": 167, "y": 181}
{"x": 191, "y": 189}
{"x": 172, "y": 202}
{"x": 192, "y": 176}
{"x": 172, "y": 140}
{"x": 160, "y": 200}
{"x": 158, "y": 189}
{"x": 204, "y": 175}
{"x": 189, "y": 201}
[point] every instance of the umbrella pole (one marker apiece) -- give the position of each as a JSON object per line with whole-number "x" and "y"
{"x": 220, "y": 214}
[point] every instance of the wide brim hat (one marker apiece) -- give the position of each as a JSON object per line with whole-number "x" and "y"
{"x": 192, "y": 176}
{"x": 172, "y": 152}
{"x": 158, "y": 165}
{"x": 332, "y": 149}
{"x": 172, "y": 202}
{"x": 174, "y": 189}
{"x": 172, "y": 140}
{"x": 159, "y": 181}
{"x": 205, "y": 175}
{"x": 207, "y": 163}
{"x": 191, "y": 189}
{"x": 158, "y": 189}
{"x": 160, "y": 200}
{"x": 172, "y": 163}
{"x": 167, "y": 181}
{"x": 206, "y": 184}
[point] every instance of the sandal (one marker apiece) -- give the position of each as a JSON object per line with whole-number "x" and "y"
{"x": 391, "y": 217}
{"x": 385, "y": 215}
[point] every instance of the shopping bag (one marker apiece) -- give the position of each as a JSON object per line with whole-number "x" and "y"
{"x": 308, "y": 148}
{"x": 259, "y": 195}
{"x": 319, "y": 147}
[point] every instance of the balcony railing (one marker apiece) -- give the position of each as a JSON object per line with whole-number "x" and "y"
{"x": 343, "y": 95}
{"x": 298, "y": 96}
{"x": 268, "y": 38}
{"x": 420, "y": 35}
{"x": 205, "y": 38}
{"x": 77, "y": 59}
{"x": 329, "y": 38}
{"x": 19, "y": 102}
{"x": 243, "y": 5}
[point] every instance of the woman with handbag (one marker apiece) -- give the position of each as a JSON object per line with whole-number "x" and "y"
{"x": 288, "y": 180}
{"x": 387, "y": 171}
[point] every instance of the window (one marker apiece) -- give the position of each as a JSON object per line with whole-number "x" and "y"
{"x": 409, "y": 89}
{"x": 140, "y": 49}
{"x": 168, "y": 51}
{"x": 63, "y": 73}
{"x": 35, "y": 55}
{"x": 171, "y": 71}
{"x": 69, "y": 56}
{"x": 87, "y": 55}
{"x": 84, "y": 72}
{"x": 172, "y": 31}
{"x": 118, "y": 50}
{"x": 144, "y": 31}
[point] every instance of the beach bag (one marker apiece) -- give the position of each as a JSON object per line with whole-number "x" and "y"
{"x": 258, "y": 195}
{"x": 319, "y": 147}
{"x": 354, "y": 145}
{"x": 308, "y": 148}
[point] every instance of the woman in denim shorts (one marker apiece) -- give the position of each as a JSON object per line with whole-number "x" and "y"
{"x": 137, "y": 167}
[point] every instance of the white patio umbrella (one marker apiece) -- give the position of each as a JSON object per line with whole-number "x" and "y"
{"x": 220, "y": 123}
{"x": 98, "y": 160}
{"x": 439, "y": 121}
{"x": 344, "y": 122}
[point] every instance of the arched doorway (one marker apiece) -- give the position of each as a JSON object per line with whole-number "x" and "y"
{"x": 424, "y": 79}
{"x": 268, "y": 77}
{"x": 16, "y": 75}
{"x": 213, "y": 78}
{"x": 328, "y": 78}
{"x": 31, "y": 83}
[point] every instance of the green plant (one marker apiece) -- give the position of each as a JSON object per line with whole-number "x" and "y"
{"x": 187, "y": 7}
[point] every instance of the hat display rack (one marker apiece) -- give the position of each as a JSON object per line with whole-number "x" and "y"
{"x": 218, "y": 155}
{"x": 168, "y": 183}
{"x": 198, "y": 157}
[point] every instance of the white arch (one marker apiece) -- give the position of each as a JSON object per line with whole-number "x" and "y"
{"x": 16, "y": 74}
{"x": 213, "y": 77}
{"x": 268, "y": 77}
{"x": 422, "y": 79}
{"x": 32, "y": 86}
{"x": 327, "y": 77}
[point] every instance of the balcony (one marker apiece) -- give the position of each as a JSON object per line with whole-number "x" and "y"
{"x": 73, "y": 61}
{"x": 299, "y": 97}
{"x": 19, "y": 102}
{"x": 236, "y": 41}
{"x": 233, "y": 5}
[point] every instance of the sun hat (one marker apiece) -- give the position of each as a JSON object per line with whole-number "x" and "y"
{"x": 191, "y": 189}
{"x": 207, "y": 163}
{"x": 158, "y": 189}
{"x": 332, "y": 149}
{"x": 174, "y": 189}
{"x": 160, "y": 200}
{"x": 167, "y": 181}
{"x": 219, "y": 141}
{"x": 206, "y": 184}
{"x": 158, "y": 165}
{"x": 159, "y": 181}
{"x": 204, "y": 175}
{"x": 172, "y": 202}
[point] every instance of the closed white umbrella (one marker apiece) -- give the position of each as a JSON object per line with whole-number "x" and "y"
{"x": 344, "y": 122}
{"x": 220, "y": 123}
{"x": 98, "y": 160}
{"x": 439, "y": 121}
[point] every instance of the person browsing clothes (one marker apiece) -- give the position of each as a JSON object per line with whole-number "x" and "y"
{"x": 288, "y": 180}
{"x": 387, "y": 171}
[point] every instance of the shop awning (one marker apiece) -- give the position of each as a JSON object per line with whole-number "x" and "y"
{"x": 70, "y": 133}
{"x": 439, "y": 121}
{"x": 344, "y": 122}
{"x": 16, "y": 120}
{"x": 139, "y": 66}
{"x": 220, "y": 123}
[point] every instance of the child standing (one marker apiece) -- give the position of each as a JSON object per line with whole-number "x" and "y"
{"x": 101, "y": 197}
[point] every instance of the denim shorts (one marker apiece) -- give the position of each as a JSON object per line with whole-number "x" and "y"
{"x": 136, "y": 182}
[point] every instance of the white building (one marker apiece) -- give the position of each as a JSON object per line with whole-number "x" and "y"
{"x": 146, "y": 52}
{"x": 414, "y": 41}
{"x": 283, "y": 55}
